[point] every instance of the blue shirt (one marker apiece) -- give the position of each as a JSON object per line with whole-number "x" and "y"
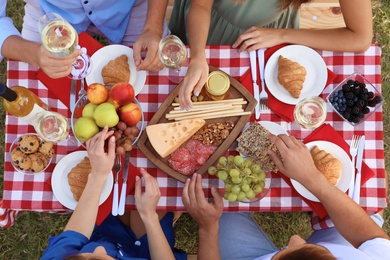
{"x": 110, "y": 17}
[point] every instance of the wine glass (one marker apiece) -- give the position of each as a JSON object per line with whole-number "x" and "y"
{"x": 310, "y": 112}
{"x": 173, "y": 54}
{"x": 61, "y": 39}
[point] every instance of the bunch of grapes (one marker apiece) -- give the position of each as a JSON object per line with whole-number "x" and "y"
{"x": 243, "y": 178}
{"x": 354, "y": 100}
{"x": 124, "y": 136}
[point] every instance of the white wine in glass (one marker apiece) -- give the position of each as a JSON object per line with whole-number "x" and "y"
{"x": 60, "y": 38}
{"x": 51, "y": 126}
{"x": 172, "y": 52}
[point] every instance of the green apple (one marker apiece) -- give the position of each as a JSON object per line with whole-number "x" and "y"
{"x": 105, "y": 115}
{"x": 85, "y": 128}
{"x": 89, "y": 109}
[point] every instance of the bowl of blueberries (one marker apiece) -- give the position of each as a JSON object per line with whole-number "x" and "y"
{"x": 355, "y": 99}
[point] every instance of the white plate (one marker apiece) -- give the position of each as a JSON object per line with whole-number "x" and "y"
{"x": 272, "y": 127}
{"x": 346, "y": 174}
{"x": 100, "y": 58}
{"x": 60, "y": 185}
{"x": 316, "y": 73}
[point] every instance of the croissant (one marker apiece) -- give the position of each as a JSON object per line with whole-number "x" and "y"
{"x": 326, "y": 164}
{"x": 116, "y": 71}
{"x": 291, "y": 76}
{"x": 78, "y": 177}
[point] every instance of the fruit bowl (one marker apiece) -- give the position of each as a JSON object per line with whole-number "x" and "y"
{"x": 140, "y": 125}
{"x": 355, "y": 99}
{"x": 41, "y": 157}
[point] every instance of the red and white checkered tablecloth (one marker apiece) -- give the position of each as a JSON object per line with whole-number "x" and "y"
{"x": 31, "y": 192}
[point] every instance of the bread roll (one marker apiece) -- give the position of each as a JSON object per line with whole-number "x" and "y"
{"x": 326, "y": 164}
{"x": 116, "y": 71}
{"x": 78, "y": 177}
{"x": 291, "y": 76}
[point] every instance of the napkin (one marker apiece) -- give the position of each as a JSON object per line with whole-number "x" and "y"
{"x": 61, "y": 87}
{"x": 105, "y": 208}
{"x": 283, "y": 110}
{"x": 327, "y": 133}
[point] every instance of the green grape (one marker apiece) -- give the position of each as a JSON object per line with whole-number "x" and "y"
{"x": 220, "y": 166}
{"x": 256, "y": 168}
{"x": 236, "y": 189}
{"x": 222, "y": 160}
{"x": 245, "y": 187}
{"x": 238, "y": 160}
{"x": 234, "y": 173}
{"x": 232, "y": 197}
{"x": 241, "y": 196}
{"x": 226, "y": 195}
{"x": 230, "y": 158}
{"x": 237, "y": 180}
{"x": 228, "y": 186}
{"x": 248, "y": 162}
{"x": 212, "y": 170}
{"x": 222, "y": 175}
{"x": 247, "y": 171}
{"x": 262, "y": 183}
{"x": 250, "y": 194}
{"x": 262, "y": 175}
{"x": 257, "y": 188}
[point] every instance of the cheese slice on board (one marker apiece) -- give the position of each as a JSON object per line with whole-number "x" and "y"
{"x": 167, "y": 137}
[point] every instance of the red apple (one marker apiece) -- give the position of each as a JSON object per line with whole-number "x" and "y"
{"x": 97, "y": 93}
{"x": 131, "y": 114}
{"x": 121, "y": 94}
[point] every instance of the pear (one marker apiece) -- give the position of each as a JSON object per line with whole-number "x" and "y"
{"x": 105, "y": 115}
{"x": 85, "y": 128}
{"x": 89, "y": 109}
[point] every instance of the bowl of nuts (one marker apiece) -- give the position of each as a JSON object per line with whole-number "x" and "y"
{"x": 355, "y": 99}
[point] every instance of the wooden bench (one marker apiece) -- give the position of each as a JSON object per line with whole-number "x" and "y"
{"x": 318, "y": 14}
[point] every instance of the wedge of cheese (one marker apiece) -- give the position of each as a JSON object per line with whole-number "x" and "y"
{"x": 167, "y": 137}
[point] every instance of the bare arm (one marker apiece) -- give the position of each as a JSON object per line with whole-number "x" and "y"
{"x": 84, "y": 216}
{"x": 198, "y": 28}
{"x": 355, "y": 37}
{"x": 151, "y": 36}
{"x": 350, "y": 219}
{"x": 146, "y": 203}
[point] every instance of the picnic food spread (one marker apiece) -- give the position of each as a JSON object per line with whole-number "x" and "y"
{"x": 117, "y": 70}
{"x": 78, "y": 177}
{"x": 291, "y": 75}
{"x": 327, "y": 164}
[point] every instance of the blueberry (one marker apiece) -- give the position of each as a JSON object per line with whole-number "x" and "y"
{"x": 340, "y": 101}
{"x": 355, "y": 98}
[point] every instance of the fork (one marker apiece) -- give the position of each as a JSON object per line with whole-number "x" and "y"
{"x": 82, "y": 97}
{"x": 116, "y": 168}
{"x": 353, "y": 151}
{"x": 263, "y": 93}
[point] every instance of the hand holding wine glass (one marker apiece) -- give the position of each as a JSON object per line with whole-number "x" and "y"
{"x": 61, "y": 39}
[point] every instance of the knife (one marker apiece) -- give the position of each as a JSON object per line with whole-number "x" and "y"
{"x": 260, "y": 57}
{"x": 256, "y": 91}
{"x": 125, "y": 172}
{"x": 72, "y": 97}
{"x": 359, "y": 160}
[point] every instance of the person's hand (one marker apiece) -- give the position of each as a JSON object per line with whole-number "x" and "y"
{"x": 146, "y": 201}
{"x": 205, "y": 213}
{"x": 255, "y": 38}
{"x": 147, "y": 42}
{"x": 101, "y": 161}
{"x": 193, "y": 82}
{"x": 296, "y": 161}
{"x": 54, "y": 66}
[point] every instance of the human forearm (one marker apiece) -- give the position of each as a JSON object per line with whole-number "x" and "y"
{"x": 156, "y": 15}
{"x": 84, "y": 216}
{"x": 17, "y": 48}
{"x": 208, "y": 247}
{"x": 158, "y": 244}
{"x": 350, "y": 219}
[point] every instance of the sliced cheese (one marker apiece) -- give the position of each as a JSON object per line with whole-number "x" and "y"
{"x": 167, "y": 137}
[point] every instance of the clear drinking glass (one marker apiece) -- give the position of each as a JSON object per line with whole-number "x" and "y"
{"x": 51, "y": 126}
{"x": 61, "y": 39}
{"x": 173, "y": 54}
{"x": 310, "y": 112}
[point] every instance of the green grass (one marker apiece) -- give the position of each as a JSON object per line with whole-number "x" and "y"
{"x": 28, "y": 237}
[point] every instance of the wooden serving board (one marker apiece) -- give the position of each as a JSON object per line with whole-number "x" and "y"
{"x": 236, "y": 90}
